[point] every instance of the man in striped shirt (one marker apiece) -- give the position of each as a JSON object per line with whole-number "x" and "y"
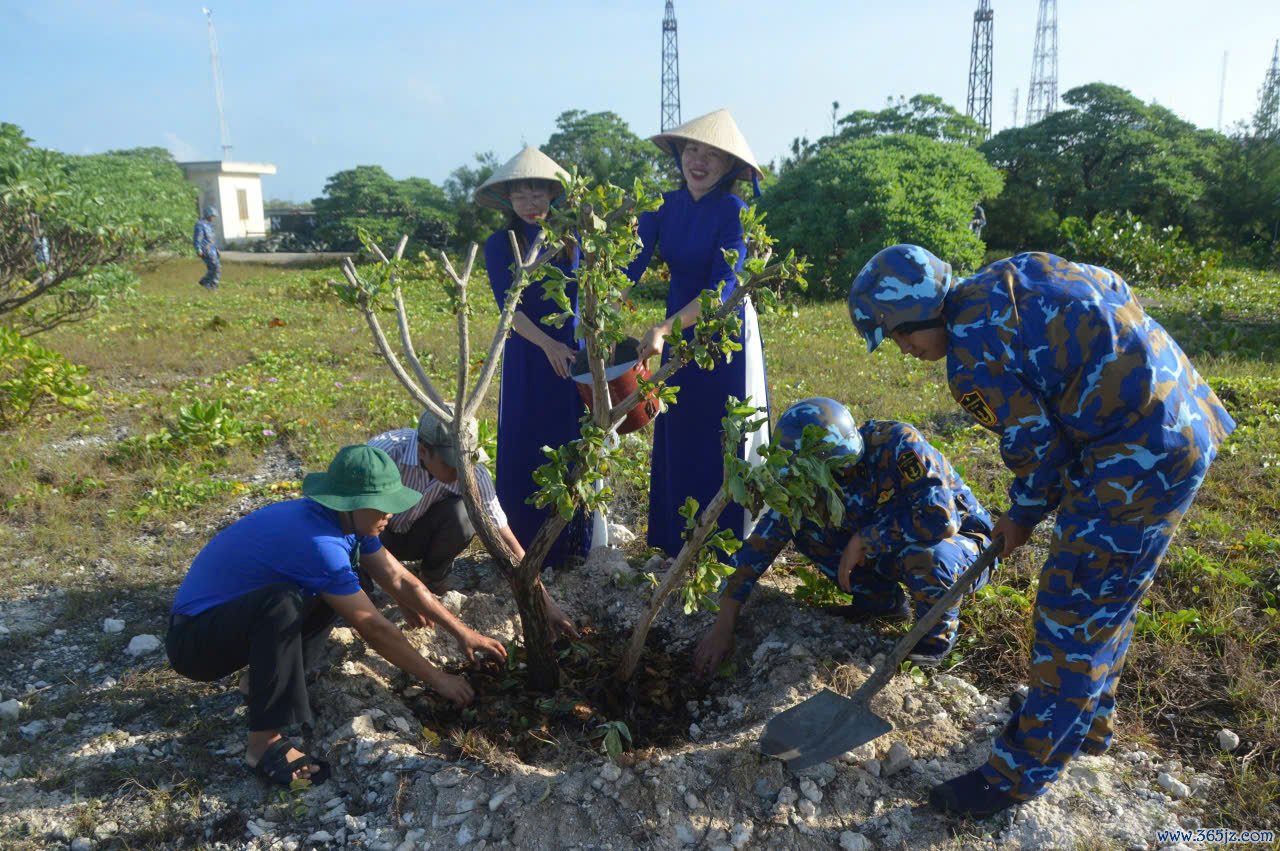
{"x": 436, "y": 530}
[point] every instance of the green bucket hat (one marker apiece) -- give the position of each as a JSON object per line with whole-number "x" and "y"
{"x": 360, "y": 476}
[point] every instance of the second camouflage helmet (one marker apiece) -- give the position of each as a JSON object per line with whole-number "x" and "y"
{"x": 841, "y": 427}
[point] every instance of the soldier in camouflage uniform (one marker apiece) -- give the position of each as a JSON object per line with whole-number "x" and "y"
{"x": 1102, "y": 419}
{"x": 908, "y": 518}
{"x": 206, "y": 246}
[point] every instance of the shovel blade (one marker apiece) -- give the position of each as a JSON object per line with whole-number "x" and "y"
{"x": 824, "y": 726}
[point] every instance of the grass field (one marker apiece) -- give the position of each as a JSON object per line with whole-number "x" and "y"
{"x": 202, "y": 385}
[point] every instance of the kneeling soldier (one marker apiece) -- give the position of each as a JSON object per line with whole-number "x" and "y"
{"x": 909, "y": 518}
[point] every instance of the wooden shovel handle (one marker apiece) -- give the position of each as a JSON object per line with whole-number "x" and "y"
{"x": 881, "y": 677}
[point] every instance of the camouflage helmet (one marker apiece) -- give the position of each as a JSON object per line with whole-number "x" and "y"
{"x": 842, "y": 428}
{"x": 901, "y": 284}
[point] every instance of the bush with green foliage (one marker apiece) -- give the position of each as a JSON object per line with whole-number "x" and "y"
{"x": 1141, "y": 254}
{"x": 64, "y": 218}
{"x": 33, "y": 377}
{"x": 848, "y": 200}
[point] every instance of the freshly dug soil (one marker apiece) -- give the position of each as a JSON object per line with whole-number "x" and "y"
{"x": 524, "y": 722}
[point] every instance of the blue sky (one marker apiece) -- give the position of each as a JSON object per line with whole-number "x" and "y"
{"x": 419, "y": 87}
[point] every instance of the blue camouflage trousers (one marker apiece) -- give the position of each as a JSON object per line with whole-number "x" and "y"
{"x": 927, "y": 571}
{"x": 1102, "y": 560}
{"x": 214, "y": 266}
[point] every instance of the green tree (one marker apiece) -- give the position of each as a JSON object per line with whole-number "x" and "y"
{"x": 602, "y": 146}
{"x": 472, "y": 222}
{"x": 65, "y": 221}
{"x": 1107, "y": 152}
{"x": 366, "y": 197}
{"x": 921, "y": 115}
{"x": 1246, "y": 199}
{"x": 850, "y": 199}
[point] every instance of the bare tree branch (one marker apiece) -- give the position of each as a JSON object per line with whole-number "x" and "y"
{"x": 524, "y": 267}
{"x": 380, "y": 339}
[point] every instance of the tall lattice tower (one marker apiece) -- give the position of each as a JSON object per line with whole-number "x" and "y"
{"x": 979, "y": 107}
{"x": 1042, "y": 97}
{"x": 1266, "y": 121}
{"x": 670, "y": 70}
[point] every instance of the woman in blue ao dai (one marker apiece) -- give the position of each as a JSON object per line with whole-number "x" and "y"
{"x": 538, "y": 403}
{"x": 691, "y": 230}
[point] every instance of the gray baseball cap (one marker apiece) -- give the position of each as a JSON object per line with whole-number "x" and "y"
{"x": 436, "y": 434}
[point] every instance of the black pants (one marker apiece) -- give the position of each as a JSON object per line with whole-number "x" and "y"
{"x": 275, "y": 631}
{"x": 436, "y": 538}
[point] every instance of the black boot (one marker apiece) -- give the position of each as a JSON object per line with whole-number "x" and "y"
{"x": 969, "y": 795}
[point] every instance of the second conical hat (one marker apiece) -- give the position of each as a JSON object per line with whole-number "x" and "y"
{"x": 717, "y": 129}
{"x": 529, "y": 164}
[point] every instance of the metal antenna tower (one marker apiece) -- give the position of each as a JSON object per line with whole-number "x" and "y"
{"x": 979, "y": 104}
{"x": 1266, "y": 121}
{"x": 1042, "y": 97}
{"x": 670, "y": 70}
{"x": 1015, "y": 106}
{"x": 1222, "y": 89}
{"x": 217, "y": 86}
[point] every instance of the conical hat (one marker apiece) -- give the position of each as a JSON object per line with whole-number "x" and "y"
{"x": 529, "y": 164}
{"x": 717, "y": 129}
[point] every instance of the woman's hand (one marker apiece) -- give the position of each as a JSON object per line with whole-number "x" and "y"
{"x": 653, "y": 341}
{"x": 560, "y": 356}
{"x": 854, "y": 555}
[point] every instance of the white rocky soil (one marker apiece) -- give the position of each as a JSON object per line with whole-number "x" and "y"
{"x": 102, "y": 747}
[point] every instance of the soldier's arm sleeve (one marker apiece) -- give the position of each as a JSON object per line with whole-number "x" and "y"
{"x": 926, "y": 515}
{"x": 756, "y": 555}
{"x": 1030, "y": 443}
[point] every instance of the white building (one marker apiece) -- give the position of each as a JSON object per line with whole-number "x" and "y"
{"x": 235, "y": 188}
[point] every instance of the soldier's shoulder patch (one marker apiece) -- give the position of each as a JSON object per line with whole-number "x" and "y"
{"x": 978, "y": 407}
{"x": 910, "y": 465}
{"x": 885, "y": 496}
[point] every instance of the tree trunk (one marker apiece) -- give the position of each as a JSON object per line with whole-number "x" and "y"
{"x": 675, "y": 575}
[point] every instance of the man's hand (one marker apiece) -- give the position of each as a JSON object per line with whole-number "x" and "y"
{"x": 472, "y": 642}
{"x": 560, "y": 623}
{"x": 854, "y": 555}
{"x": 414, "y": 619}
{"x": 714, "y": 647}
{"x": 560, "y": 356}
{"x": 1015, "y": 535}
{"x": 452, "y": 687}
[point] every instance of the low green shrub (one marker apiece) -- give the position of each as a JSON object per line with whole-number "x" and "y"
{"x": 1142, "y": 254}
{"x": 33, "y": 377}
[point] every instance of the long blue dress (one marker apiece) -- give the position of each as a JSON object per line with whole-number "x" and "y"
{"x": 536, "y": 407}
{"x": 687, "y": 455}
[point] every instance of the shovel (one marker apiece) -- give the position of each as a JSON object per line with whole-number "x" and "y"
{"x": 827, "y": 725}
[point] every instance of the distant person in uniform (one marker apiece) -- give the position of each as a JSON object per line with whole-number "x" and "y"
{"x": 206, "y": 247}
{"x": 267, "y": 590}
{"x": 1101, "y": 419}
{"x": 979, "y": 220}
{"x": 909, "y": 519}
{"x": 436, "y": 528}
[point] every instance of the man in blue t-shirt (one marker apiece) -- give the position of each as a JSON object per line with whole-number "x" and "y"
{"x": 266, "y": 591}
